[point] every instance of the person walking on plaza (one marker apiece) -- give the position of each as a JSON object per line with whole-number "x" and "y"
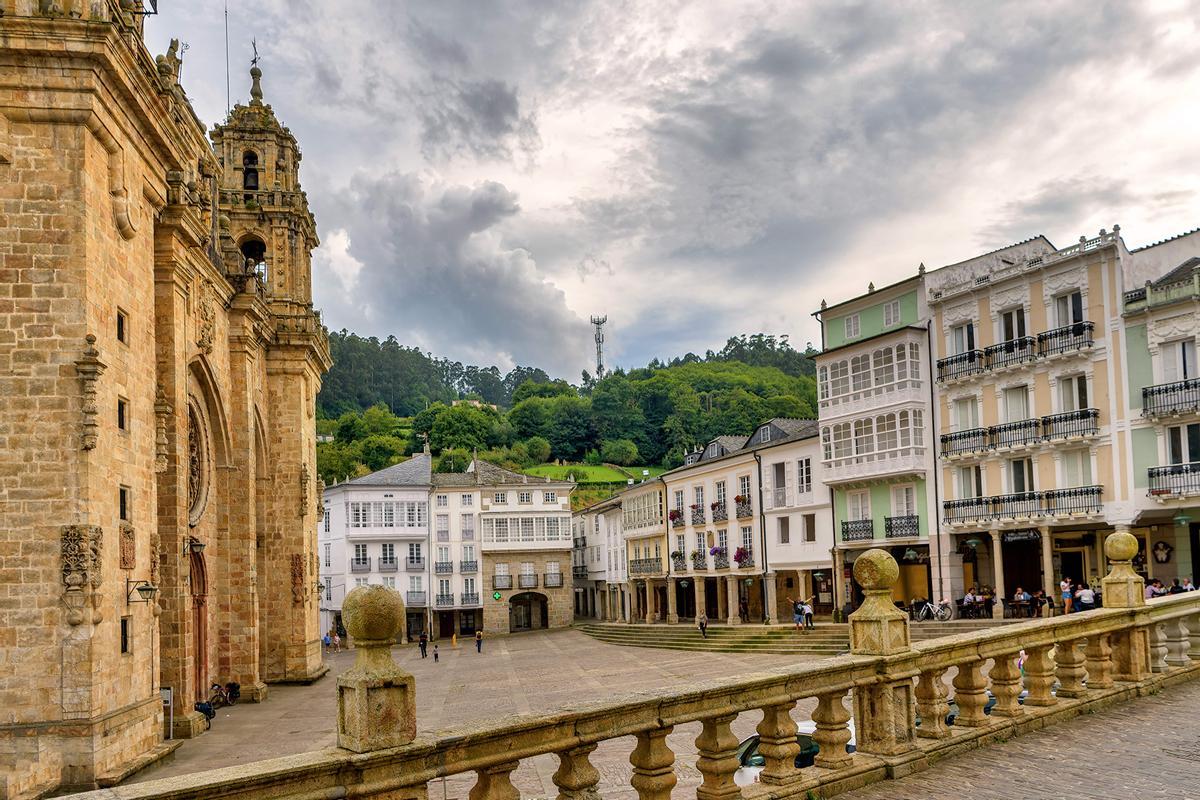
{"x": 702, "y": 624}
{"x": 423, "y": 644}
{"x": 744, "y": 610}
{"x": 478, "y": 641}
{"x": 325, "y": 642}
{"x": 1067, "y": 594}
{"x": 435, "y": 654}
{"x": 337, "y": 642}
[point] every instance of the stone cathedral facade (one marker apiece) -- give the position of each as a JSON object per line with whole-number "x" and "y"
{"x": 159, "y": 363}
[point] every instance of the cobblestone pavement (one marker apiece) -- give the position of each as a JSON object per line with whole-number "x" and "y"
{"x": 1145, "y": 748}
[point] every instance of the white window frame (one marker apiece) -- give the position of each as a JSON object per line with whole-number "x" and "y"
{"x": 862, "y": 499}
{"x": 891, "y": 313}
{"x": 851, "y": 326}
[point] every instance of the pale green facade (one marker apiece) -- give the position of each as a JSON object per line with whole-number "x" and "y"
{"x": 870, "y": 321}
{"x": 881, "y": 505}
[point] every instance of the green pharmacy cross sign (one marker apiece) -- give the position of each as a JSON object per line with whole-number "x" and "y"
{"x": 496, "y": 595}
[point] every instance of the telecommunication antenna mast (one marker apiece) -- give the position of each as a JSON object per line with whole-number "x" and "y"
{"x": 599, "y": 323}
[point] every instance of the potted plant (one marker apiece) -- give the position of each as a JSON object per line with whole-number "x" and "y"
{"x": 740, "y": 555}
{"x": 674, "y": 514}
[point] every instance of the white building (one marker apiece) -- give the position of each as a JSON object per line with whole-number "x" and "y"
{"x": 376, "y": 531}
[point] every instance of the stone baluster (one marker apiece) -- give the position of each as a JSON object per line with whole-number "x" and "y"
{"x": 1193, "y": 623}
{"x": 653, "y": 765}
{"x": 575, "y": 777}
{"x": 717, "y": 747}
{"x": 970, "y": 693}
{"x": 1158, "y": 647}
{"x": 777, "y": 744}
{"x": 1177, "y": 642}
{"x": 377, "y": 704}
{"x": 1070, "y": 669}
{"x": 495, "y": 783}
{"x": 1039, "y": 677}
{"x": 1124, "y": 588}
{"x": 932, "y": 706}
{"x": 832, "y": 733}
{"x": 1006, "y": 686}
{"x": 1099, "y": 662}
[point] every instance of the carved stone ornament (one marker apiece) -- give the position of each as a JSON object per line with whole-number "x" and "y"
{"x": 960, "y": 312}
{"x": 168, "y": 65}
{"x": 1060, "y": 282}
{"x": 90, "y": 368}
{"x": 297, "y": 578}
{"x": 198, "y": 465}
{"x": 1011, "y": 297}
{"x": 155, "y": 555}
{"x": 207, "y": 319}
{"x": 1178, "y": 327}
{"x": 305, "y": 480}
{"x": 162, "y": 414}
{"x": 80, "y": 550}
{"x": 320, "y": 496}
{"x": 128, "y": 546}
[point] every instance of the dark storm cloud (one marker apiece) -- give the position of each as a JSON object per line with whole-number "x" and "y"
{"x": 483, "y": 118}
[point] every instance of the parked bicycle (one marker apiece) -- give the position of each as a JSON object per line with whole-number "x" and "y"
{"x": 941, "y": 612}
{"x": 226, "y": 695}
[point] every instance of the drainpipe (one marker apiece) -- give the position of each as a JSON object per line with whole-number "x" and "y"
{"x": 762, "y": 531}
{"x": 937, "y": 516}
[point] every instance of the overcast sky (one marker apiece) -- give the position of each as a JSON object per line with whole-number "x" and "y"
{"x": 487, "y": 175}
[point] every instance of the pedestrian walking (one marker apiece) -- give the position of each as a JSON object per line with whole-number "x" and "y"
{"x": 423, "y": 644}
{"x": 797, "y": 613}
{"x": 478, "y": 641}
{"x": 435, "y": 654}
{"x": 337, "y": 642}
{"x": 1068, "y": 593}
{"x": 806, "y": 607}
{"x": 744, "y": 610}
{"x": 702, "y": 624}
{"x": 326, "y": 641}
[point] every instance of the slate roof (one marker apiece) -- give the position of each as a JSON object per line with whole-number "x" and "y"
{"x": 415, "y": 471}
{"x": 796, "y": 429}
{"x": 1180, "y": 273}
{"x": 483, "y": 473}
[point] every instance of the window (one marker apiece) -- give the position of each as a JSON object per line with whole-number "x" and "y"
{"x": 326, "y": 519}
{"x": 360, "y": 553}
{"x": 549, "y": 497}
{"x": 744, "y": 486}
{"x": 860, "y": 372}
{"x": 714, "y": 450}
{"x": 526, "y": 567}
{"x": 721, "y": 492}
{"x": 810, "y": 527}
{"x": 1016, "y": 403}
{"x": 123, "y": 414}
{"x": 839, "y": 378}
{"x": 328, "y": 555}
{"x": 679, "y": 500}
{"x": 443, "y": 500}
{"x": 1073, "y": 393}
{"x": 466, "y": 499}
{"x": 122, "y": 326}
{"x": 524, "y": 498}
{"x": 387, "y": 552}
{"x": 764, "y": 434}
{"x": 1012, "y": 324}
{"x": 468, "y": 552}
{"x": 962, "y": 338}
{"x": 842, "y": 446}
{"x": 443, "y": 586}
{"x": 328, "y": 587}
{"x": 1069, "y": 308}
{"x": 415, "y": 583}
{"x": 500, "y": 498}
{"x": 552, "y": 568}
{"x": 723, "y": 540}
{"x": 804, "y": 475}
{"x": 468, "y": 527}
{"x": 747, "y": 537}
{"x": 414, "y": 551}
{"x": 700, "y": 542}
{"x": 1020, "y": 475}
{"x": 390, "y": 581}
{"x": 698, "y": 493}
{"x": 885, "y": 371}
{"x": 501, "y": 569}
{"x": 1183, "y": 443}
{"x": 1179, "y": 361}
{"x": 442, "y": 529}
{"x": 785, "y": 533}
{"x": 681, "y": 543}
{"x": 850, "y": 326}
{"x": 864, "y": 441}
{"x": 1077, "y": 468}
{"x": 123, "y": 503}
{"x": 469, "y": 585}
{"x": 891, "y": 313}
{"x": 904, "y": 501}
{"x": 885, "y": 430}
{"x": 966, "y": 414}
{"x": 126, "y": 635}
{"x": 360, "y": 582}
{"x": 858, "y": 505}
{"x": 970, "y": 481}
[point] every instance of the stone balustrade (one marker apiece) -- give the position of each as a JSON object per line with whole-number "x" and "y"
{"x": 893, "y": 689}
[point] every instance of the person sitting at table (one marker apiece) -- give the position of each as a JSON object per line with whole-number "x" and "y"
{"x": 1085, "y": 598}
{"x": 1020, "y": 601}
{"x": 1039, "y": 602}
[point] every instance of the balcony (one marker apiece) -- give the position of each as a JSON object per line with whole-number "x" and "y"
{"x": 961, "y": 365}
{"x": 1071, "y": 424}
{"x": 552, "y": 580}
{"x": 719, "y": 514}
{"x": 901, "y": 461}
{"x": 443, "y": 567}
{"x": 1010, "y": 435}
{"x": 443, "y": 600}
{"x": 697, "y": 515}
{"x": 389, "y": 565}
{"x": 1171, "y": 399}
{"x": 676, "y": 518}
{"x": 579, "y": 571}
{"x": 901, "y": 527}
{"x": 963, "y": 442}
{"x": 414, "y": 564}
{"x": 502, "y": 581}
{"x": 1011, "y": 353}
{"x": 858, "y": 530}
{"x": 721, "y": 559}
{"x": 360, "y": 564}
{"x": 1081, "y": 501}
{"x": 744, "y": 557}
{"x": 699, "y": 561}
{"x": 468, "y": 567}
{"x": 470, "y": 598}
{"x": 745, "y": 509}
{"x": 527, "y": 581}
{"x": 1068, "y": 339}
{"x": 645, "y": 566}
{"x": 1175, "y": 480}
{"x": 679, "y": 563}
{"x": 415, "y": 598}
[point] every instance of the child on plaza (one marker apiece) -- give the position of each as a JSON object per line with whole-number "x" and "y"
{"x": 435, "y": 654}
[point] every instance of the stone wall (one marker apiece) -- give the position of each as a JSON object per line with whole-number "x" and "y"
{"x": 560, "y": 609}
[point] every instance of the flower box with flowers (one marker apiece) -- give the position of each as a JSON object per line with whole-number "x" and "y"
{"x": 678, "y": 560}
{"x": 744, "y": 557}
{"x": 676, "y": 517}
{"x": 720, "y": 557}
{"x": 697, "y": 514}
{"x": 743, "y": 506}
{"x": 718, "y": 512}
{"x": 699, "y": 560}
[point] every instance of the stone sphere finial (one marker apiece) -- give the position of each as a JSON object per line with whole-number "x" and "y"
{"x": 1120, "y": 546}
{"x": 876, "y": 570}
{"x": 373, "y": 613}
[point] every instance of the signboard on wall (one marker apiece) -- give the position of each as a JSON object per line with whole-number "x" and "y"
{"x": 1028, "y": 535}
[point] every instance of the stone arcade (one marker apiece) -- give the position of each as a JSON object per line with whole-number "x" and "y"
{"x": 159, "y": 362}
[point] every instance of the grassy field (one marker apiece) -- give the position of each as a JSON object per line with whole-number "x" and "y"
{"x": 587, "y": 473}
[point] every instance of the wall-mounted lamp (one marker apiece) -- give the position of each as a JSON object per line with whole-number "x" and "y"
{"x": 144, "y": 589}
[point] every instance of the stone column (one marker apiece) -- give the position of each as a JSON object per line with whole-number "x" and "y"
{"x": 839, "y": 599}
{"x": 883, "y": 713}
{"x": 722, "y": 599}
{"x": 649, "y": 601}
{"x": 998, "y": 575}
{"x": 1049, "y": 579}
{"x": 672, "y": 611}
{"x": 377, "y": 703}
{"x": 698, "y": 585}
{"x": 1124, "y": 588}
{"x": 731, "y": 600}
{"x": 772, "y": 599}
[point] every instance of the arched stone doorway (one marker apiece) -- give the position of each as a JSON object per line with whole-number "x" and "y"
{"x": 528, "y": 611}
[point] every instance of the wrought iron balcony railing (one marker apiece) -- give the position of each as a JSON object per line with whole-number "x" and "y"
{"x": 745, "y": 509}
{"x": 416, "y": 564}
{"x": 679, "y": 563}
{"x": 552, "y": 580}
{"x": 527, "y": 581}
{"x": 579, "y": 571}
{"x": 389, "y": 565}
{"x": 960, "y": 365}
{"x": 443, "y": 567}
{"x": 678, "y": 522}
{"x": 470, "y": 598}
{"x": 415, "y": 598}
{"x": 699, "y": 560}
{"x": 1071, "y": 424}
{"x": 858, "y": 530}
{"x": 645, "y": 566}
{"x": 747, "y": 560}
{"x": 1014, "y": 351}
{"x": 697, "y": 515}
{"x": 1075, "y": 501}
{"x": 1021, "y": 433}
{"x": 901, "y": 527}
{"x": 719, "y": 514}
{"x": 360, "y": 564}
{"x": 502, "y": 581}
{"x": 1067, "y": 339}
{"x": 1171, "y": 399}
{"x": 468, "y": 567}
{"x": 967, "y": 509}
{"x": 961, "y": 442}
{"x": 721, "y": 561}
{"x": 1175, "y": 479}
{"x": 443, "y": 600}
{"x": 1072, "y": 338}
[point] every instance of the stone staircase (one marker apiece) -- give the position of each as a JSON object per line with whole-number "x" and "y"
{"x": 827, "y": 639}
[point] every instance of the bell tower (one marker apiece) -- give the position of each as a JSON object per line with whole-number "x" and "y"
{"x": 260, "y": 194}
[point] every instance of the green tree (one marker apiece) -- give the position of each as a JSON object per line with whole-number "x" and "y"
{"x": 461, "y": 427}
{"x": 350, "y": 428}
{"x": 380, "y": 451}
{"x": 453, "y": 461}
{"x": 378, "y": 420}
{"x": 538, "y": 449}
{"x": 531, "y": 417}
{"x": 532, "y": 388}
{"x": 619, "y": 451}
{"x": 571, "y": 433}
{"x": 422, "y": 423}
{"x": 337, "y": 461}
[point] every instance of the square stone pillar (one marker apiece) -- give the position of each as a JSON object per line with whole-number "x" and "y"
{"x": 377, "y": 703}
{"x": 771, "y": 601}
{"x": 722, "y": 599}
{"x": 650, "y": 603}
{"x": 998, "y": 575}
{"x": 1124, "y": 588}
{"x": 672, "y": 612}
{"x": 698, "y": 586}
{"x": 731, "y": 600}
